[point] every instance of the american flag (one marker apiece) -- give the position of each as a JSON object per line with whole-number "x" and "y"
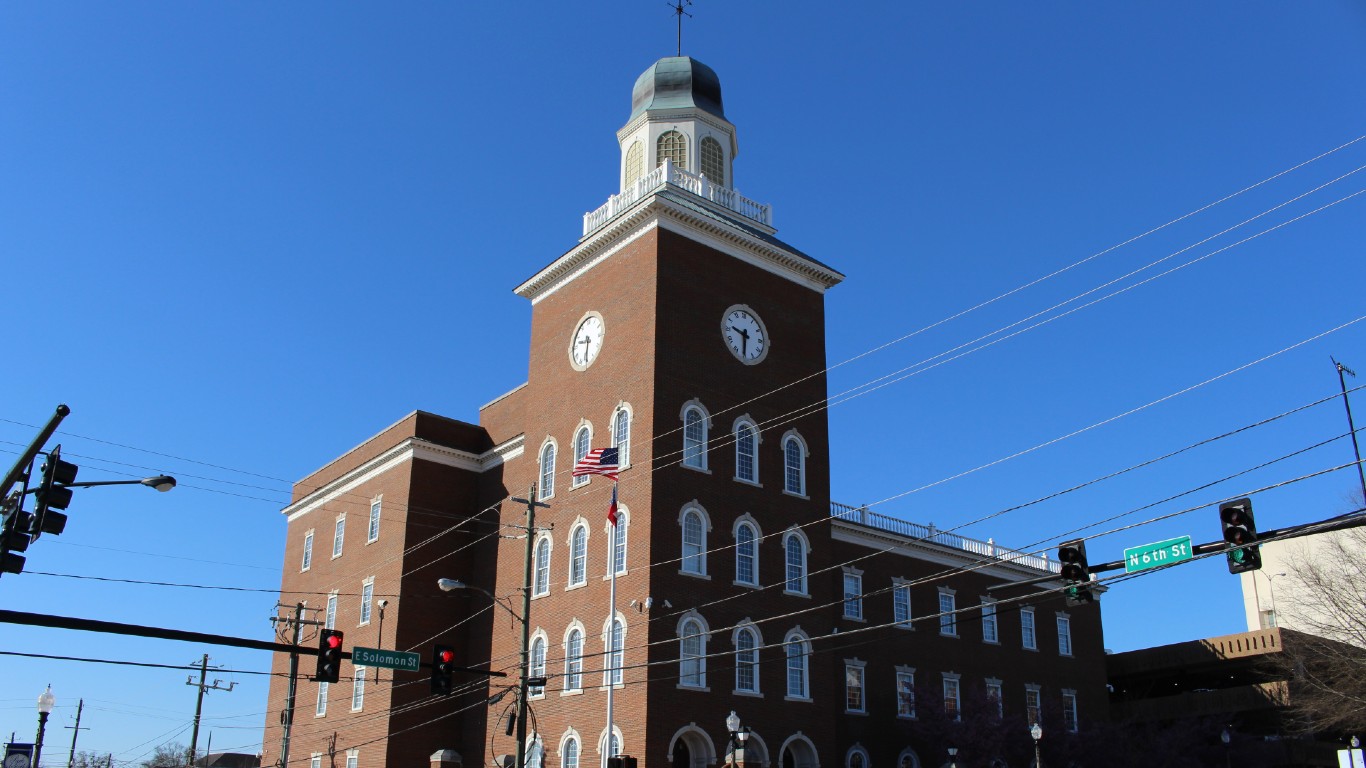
{"x": 599, "y": 461}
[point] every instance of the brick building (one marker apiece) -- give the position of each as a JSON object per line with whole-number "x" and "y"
{"x": 682, "y": 331}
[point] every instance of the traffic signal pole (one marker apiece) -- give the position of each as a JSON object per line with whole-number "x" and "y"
{"x": 20, "y": 468}
{"x": 287, "y": 717}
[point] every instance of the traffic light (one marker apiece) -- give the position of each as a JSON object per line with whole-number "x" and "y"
{"x": 443, "y": 666}
{"x": 1076, "y": 572}
{"x": 52, "y": 494}
{"x": 1240, "y": 531}
{"x": 14, "y": 538}
{"x": 329, "y": 656}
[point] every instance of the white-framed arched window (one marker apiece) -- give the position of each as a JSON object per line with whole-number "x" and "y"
{"x": 747, "y": 440}
{"x": 794, "y": 463}
{"x": 573, "y": 657}
{"x": 908, "y": 759}
{"x": 696, "y": 424}
{"x": 713, "y": 160}
{"x": 692, "y": 651}
{"x": 695, "y": 524}
{"x": 583, "y": 441}
{"x": 578, "y": 554}
{"x": 856, "y": 757}
{"x": 541, "y": 581}
{"x": 635, "y": 163}
{"x": 616, "y": 541}
{"x": 547, "y": 486}
{"x": 747, "y": 537}
{"x": 536, "y": 663}
{"x": 795, "y": 550}
{"x": 571, "y": 745}
{"x": 797, "y": 650}
{"x": 674, "y": 146}
{"x": 608, "y": 749}
{"x": 614, "y": 644}
{"x": 621, "y": 434}
{"x": 747, "y": 641}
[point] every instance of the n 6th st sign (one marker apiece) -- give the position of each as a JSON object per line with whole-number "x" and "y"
{"x": 1157, "y": 554}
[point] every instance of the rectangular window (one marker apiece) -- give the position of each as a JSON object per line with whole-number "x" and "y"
{"x": 1032, "y": 704}
{"x": 372, "y": 533}
{"x": 905, "y": 693}
{"x": 358, "y": 690}
{"x": 338, "y": 535}
{"x": 316, "y": 761}
{"x": 352, "y": 758}
{"x": 1027, "y": 636}
{"x": 853, "y": 596}
{"x": 989, "y": 634}
{"x": 331, "y": 618}
{"x": 367, "y": 592}
{"x": 994, "y": 697}
{"x": 308, "y": 551}
{"x": 1064, "y": 635}
{"x": 853, "y": 688}
{"x": 948, "y": 618}
{"x": 322, "y": 700}
{"x": 901, "y": 605}
{"x": 951, "y": 700}
{"x": 1069, "y": 710}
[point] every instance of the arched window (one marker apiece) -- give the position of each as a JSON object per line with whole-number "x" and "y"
{"x": 578, "y": 555}
{"x": 694, "y": 436}
{"x": 794, "y": 464}
{"x": 616, "y": 640}
{"x": 547, "y": 488}
{"x": 856, "y": 757}
{"x": 537, "y": 665}
{"x": 695, "y": 526}
{"x": 713, "y": 161}
{"x": 621, "y": 436}
{"x": 746, "y": 461}
{"x": 797, "y": 650}
{"x": 583, "y": 438}
{"x": 692, "y": 654}
{"x": 569, "y": 752}
{"x": 746, "y": 554}
{"x": 635, "y": 163}
{"x": 573, "y": 660}
{"x": 674, "y": 146}
{"x": 794, "y": 545}
{"x": 746, "y": 660}
{"x": 542, "y": 582}
{"x": 616, "y": 541}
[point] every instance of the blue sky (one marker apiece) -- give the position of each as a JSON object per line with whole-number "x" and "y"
{"x": 239, "y": 238}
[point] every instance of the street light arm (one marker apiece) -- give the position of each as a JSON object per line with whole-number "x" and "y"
{"x": 451, "y": 585}
{"x": 162, "y": 483}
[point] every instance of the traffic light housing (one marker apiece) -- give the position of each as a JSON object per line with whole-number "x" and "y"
{"x": 329, "y": 656}
{"x": 52, "y": 494}
{"x": 443, "y": 668}
{"x": 14, "y": 538}
{"x": 1240, "y": 531}
{"x": 1076, "y": 571}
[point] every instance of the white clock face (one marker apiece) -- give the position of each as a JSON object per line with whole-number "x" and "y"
{"x": 586, "y": 341}
{"x": 744, "y": 334}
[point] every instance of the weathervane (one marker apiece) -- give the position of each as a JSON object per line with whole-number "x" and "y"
{"x": 678, "y": 6}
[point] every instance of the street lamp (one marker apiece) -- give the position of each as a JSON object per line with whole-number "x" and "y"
{"x": 1271, "y": 586}
{"x": 738, "y": 736}
{"x": 1227, "y": 738}
{"x": 953, "y": 757}
{"x": 46, "y": 701}
{"x": 1354, "y": 745}
{"x": 1037, "y": 733}
{"x": 451, "y": 585}
{"x": 161, "y": 483}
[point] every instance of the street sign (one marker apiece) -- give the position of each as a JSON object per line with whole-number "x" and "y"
{"x": 374, "y": 657}
{"x": 1158, "y": 554}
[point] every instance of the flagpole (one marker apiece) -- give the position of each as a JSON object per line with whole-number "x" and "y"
{"x": 612, "y": 623}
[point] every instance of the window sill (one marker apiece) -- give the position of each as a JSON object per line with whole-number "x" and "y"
{"x": 750, "y": 694}
{"x": 575, "y": 692}
{"x": 751, "y": 483}
{"x": 368, "y": 542}
{"x": 608, "y": 577}
{"x": 806, "y": 595}
{"x": 806, "y": 699}
{"x": 703, "y": 576}
{"x": 906, "y": 625}
{"x": 365, "y": 623}
{"x": 953, "y": 635}
{"x": 859, "y": 619}
{"x": 801, "y": 496}
{"x": 703, "y": 470}
{"x": 857, "y": 712}
{"x": 1027, "y": 648}
{"x": 572, "y": 587}
{"x": 991, "y": 642}
{"x": 746, "y": 584}
{"x": 698, "y": 688}
{"x": 905, "y": 717}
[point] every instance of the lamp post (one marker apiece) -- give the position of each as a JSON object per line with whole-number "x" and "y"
{"x": 379, "y": 636}
{"x": 450, "y": 585}
{"x": 1353, "y": 746}
{"x": 1037, "y": 733}
{"x": 1271, "y": 587}
{"x": 46, "y": 701}
{"x": 738, "y": 736}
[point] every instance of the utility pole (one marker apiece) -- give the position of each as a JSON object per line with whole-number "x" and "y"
{"x": 1361, "y": 472}
{"x": 531, "y": 505}
{"x": 75, "y": 731}
{"x": 287, "y": 716}
{"x": 199, "y": 704}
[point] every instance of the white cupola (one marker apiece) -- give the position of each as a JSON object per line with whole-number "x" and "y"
{"x": 676, "y": 113}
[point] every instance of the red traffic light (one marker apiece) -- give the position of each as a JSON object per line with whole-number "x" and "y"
{"x": 446, "y": 656}
{"x": 333, "y": 641}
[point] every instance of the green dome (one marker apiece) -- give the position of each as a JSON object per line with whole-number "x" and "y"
{"x": 677, "y": 82}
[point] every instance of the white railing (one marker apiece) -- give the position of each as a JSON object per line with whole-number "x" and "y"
{"x": 987, "y": 548}
{"x": 698, "y": 185}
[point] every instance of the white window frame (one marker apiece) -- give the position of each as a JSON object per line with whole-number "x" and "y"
{"x": 583, "y": 443}
{"x": 901, "y": 596}
{"x": 566, "y": 759}
{"x": 794, "y": 463}
{"x": 1034, "y": 694}
{"x": 358, "y": 689}
{"x": 621, "y": 434}
{"x": 857, "y": 757}
{"x": 853, "y": 593}
{"x": 573, "y": 660}
{"x": 367, "y": 596}
{"x": 995, "y": 692}
{"x": 339, "y": 536}
{"x": 545, "y": 546}
{"x": 315, "y": 760}
{"x": 905, "y": 692}
{"x": 353, "y": 758}
{"x": 545, "y": 461}
{"x": 330, "y": 617}
{"x": 320, "y": 710}
{"x": 1064, "y": 634}
{"x": 948, "y": 618}
{"x": 308, "y": 551}
{"x": 756, "y": 439}
{"x": 693, "y": 561}
{"x": 746, "y": 520}
{"x": 695, "y": 447}
{"x": 991, "y": 627}
{"x": 796, "y": 640}
{"x": 536, "y": 665}
{"x": 747, "y": 659}
{"x": 692, "y": 661}
{"x": 1029, "y": 630}
{"x": 855, "y": 686}
{"x": 578, "y": 554}
{"x": 614, "y": 653}
{"x": 1069, "y": 710}
{"x": 617, "y": 539}
{"x": 372, "y": 531}
{"x": 953, "y": 682}
{"x": 801, "y": 586}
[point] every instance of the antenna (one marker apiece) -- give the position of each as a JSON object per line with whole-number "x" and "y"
{"x": 678, "y": 6}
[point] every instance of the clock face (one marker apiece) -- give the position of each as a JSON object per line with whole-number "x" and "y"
{"x": 744, "y": 334}
{"x": 586, "y": 342}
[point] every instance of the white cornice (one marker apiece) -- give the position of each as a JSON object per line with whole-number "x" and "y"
{"x": 658, "y": 210}
{"x": 842, "y": 530}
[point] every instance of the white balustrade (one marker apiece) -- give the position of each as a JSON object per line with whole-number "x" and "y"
{"x": 987, "y": 548}
{"x": 698, "y": 185}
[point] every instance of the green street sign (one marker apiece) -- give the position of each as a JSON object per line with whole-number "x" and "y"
{"x": 374, "y": 657}
{"x": 1158, "y": 554}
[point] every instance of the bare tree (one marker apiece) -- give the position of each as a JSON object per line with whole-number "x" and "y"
{"x": 168, "y": 755}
